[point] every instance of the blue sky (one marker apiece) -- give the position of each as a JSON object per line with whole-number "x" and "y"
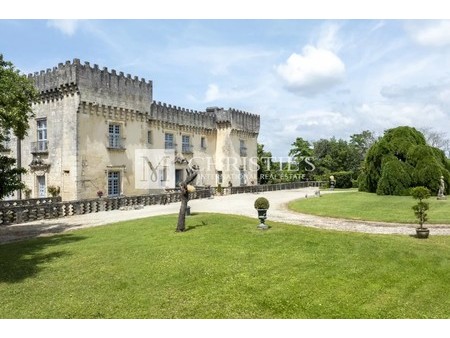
{"x": 306, "y": 78}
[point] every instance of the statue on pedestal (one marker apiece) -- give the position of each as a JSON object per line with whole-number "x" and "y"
{"x": 441, "y": 192}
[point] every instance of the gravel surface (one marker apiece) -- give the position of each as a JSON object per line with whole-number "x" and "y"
{"x": 241, "y": 204}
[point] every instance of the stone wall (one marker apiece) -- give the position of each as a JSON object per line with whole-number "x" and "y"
{"x": 95, "y": 85}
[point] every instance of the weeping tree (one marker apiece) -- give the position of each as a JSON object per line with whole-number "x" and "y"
{"x": 400, "y": 160}
{"x": 184, "y": 193}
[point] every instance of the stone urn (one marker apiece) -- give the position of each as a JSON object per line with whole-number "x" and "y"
{"x": 261, "y": 205}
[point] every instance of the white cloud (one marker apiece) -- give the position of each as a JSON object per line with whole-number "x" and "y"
{"x": 311, "y": 72}
{"x": 328, "y": 38}
{"x": 319, "y": 118}
{"x": 434, "y": 35}
{"x": 67, "y": 27}
{"x": 388, "y": 115}
{"x": 212, "y": 93}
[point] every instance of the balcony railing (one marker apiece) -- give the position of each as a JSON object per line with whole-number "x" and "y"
{"x": 116, "y": 142}
{"x": 39, "y": 147}
{"x": 170, "y": 145}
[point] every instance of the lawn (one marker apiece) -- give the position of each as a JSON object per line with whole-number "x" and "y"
{"x": 371, "y": 207}
{"x": 223, "y": 267}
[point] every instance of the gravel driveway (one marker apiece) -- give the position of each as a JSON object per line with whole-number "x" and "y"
{"x": 240, "y": 204}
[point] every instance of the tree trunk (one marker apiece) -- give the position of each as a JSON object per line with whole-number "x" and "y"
{"x": 184, "y": 196}
{"x": 184, "y": 201}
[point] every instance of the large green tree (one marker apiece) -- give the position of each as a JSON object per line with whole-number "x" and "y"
{"x": 302, "y": 152}
{"x": 335, "y": 156}
{"x": 401, "y": 159}
{"x": 16, "y": 95}
{"x": 265, "y": 164}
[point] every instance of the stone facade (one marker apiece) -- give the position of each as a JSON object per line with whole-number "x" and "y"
{"x": 90, "y": 124}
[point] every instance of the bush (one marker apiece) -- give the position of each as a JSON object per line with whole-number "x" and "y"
{"x": 54, "y": 191}
{"x": 395, "y": 178}
{"x": 420, "y": 193}
{"x": 420, "y": 209}
{"x": 261, "y": 203}
{"x": 343, "y": 179}
{"x": 401, "y": 160}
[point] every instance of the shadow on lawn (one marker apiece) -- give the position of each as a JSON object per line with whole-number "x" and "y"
{"x": 21, "y": 260}
{"x": 192, "y": 227}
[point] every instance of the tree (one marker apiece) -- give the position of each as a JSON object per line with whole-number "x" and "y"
{"x": 264, "y": 164}
{"x": 437, "y": 139}
{"x": 335, "y": 156}
{"x": 184, "y": 193}
{"x": 301, "y": 152}
{"x": 420, "y": 209}
{"x": 16, "y": 96}
{"x": 362, "y": 143}
{"x": 400, "y": 160}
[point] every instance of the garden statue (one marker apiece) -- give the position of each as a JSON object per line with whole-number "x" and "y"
{"x": 332, "y": 182}
{"x": 441, "y": 192}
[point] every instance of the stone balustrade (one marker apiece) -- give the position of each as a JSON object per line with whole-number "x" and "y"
{"x": 21, "y": 211}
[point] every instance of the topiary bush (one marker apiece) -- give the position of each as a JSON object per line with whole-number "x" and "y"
{"x": 420, "y": 209}
{"x": 262, "y": 203}
{"x": 54, "y": 191}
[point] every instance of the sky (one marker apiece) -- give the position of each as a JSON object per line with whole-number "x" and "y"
{"x": 309, "y": 78}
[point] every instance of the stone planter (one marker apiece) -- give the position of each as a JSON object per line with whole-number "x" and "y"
{"x": 422, "y": 232}
{"x": 262, "y": 215}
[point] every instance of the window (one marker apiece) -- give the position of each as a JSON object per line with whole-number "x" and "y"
{"x": 114, "y": 136}
{"x": 168, "y": 138}
{"x": 242, "y": 148}
{"x": 203, "y": 142}
{"x": 42, "y": 190}
{"x": 242, "y": 177}
{"x": 149, "y": 137}
{"x": 113, "y": 183}
{"x": 42, "y": 143}
{"x": 219, "y": 177}
{"x": 186, "y": 144}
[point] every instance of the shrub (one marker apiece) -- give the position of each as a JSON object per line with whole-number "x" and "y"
{"x": 54, "y": 191}
{"x": 395, "y": 178}
{"x": 27, "y": 192}
{"x": 420, "y": 209}
{"x": 343, "y": 179}
{"x": 261, "y": 203}
{"x": 420, "y": 193}
{"x": 401, "y": 159}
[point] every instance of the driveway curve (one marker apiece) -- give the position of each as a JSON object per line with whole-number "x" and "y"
{"x": 240, "y": 204}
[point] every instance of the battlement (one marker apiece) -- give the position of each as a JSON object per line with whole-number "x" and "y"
{"x": 209, "y": 119}
{"x": 97, "y": 85}
{"x": 241, "y": 120}
{"x": 181, "y": 116}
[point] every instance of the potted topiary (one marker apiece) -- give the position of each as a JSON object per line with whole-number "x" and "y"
{"x": 420, "y": 209}
{"x": 262, "y": 204}
{"x": 27, "y": 192}
{"x": 54, "y": 191}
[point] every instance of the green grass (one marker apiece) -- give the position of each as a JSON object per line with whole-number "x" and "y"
{"x": 371, "y": 207}
{"x": 223, "y": 267}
